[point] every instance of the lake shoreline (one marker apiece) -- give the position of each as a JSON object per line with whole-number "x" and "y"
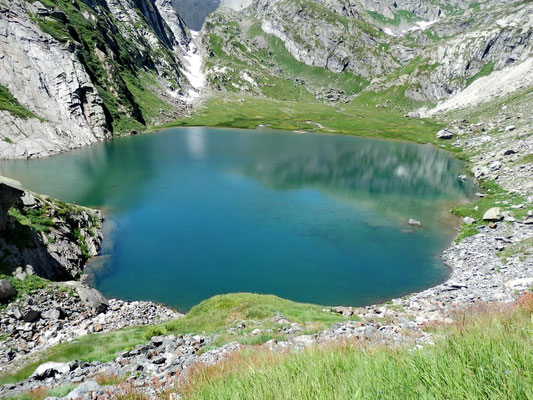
{"x": 478, "y": 275}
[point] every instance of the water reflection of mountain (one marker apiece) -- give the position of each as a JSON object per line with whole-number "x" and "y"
{"x": 398, "y": 177}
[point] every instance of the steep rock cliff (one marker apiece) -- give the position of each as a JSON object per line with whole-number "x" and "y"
{"x": 84, "y": 70}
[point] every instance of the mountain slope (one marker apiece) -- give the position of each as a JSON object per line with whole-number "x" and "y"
{"x": 85, "y": 70}
{"x": 415, "y": 51}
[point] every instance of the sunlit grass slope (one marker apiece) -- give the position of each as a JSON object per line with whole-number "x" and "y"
{"x": 488, "y": 358}
{"x": 353, "y": 118}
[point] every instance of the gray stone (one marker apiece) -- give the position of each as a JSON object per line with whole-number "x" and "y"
{"x": 83, "y": 390}
{"x": 508, "y": 216}
{"x": 7, "y": 290}
{"x": 493, "y": 214}
{"x": 414, "y": 222}
{"x": 91, "y": 297}
{"x": 444, "y": 134}
{"x": 469, "y": 220}
{"x": 31, "y": 315}
{"x": 495, "y": 166}
{"x": 54, "y": 313}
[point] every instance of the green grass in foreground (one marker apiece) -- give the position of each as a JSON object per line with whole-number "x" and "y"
{"x": 214, "y": 315}
{"x": 490, "y": 358}
{"x": 352, "y": 118}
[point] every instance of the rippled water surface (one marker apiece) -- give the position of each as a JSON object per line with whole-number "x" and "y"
{"x": 194, "y": 212}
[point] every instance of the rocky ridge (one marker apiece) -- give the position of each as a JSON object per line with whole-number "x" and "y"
{"x": 426, "y": 51}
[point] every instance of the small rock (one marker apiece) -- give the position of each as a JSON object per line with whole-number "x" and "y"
{"x": 412, "y": 114}
{"x": 159, "y": 360}
{"x": 462, "y": 178}
{"x": 493, "y": 214}
{"x": 444, "y": 134}
{"x": 480, "y": 172}
{"x": 469, "y": 220}
{"x": 510, "y": 128}
{"x": 414, "y": 222}
{"x": 54, "y": 313}
{"x": 97, "y": 327}
{"x": 492, "y": 225}
{"x": 509, "y": 152}
{"x": 495, "y": 166}
{"x": 256, "y": 331}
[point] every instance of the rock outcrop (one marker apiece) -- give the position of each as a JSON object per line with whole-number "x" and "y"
{"x": 48, "y": 237}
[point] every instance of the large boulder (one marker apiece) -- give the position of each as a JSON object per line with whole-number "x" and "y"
{"x": 91, "y": 297}
{"x": 50, "y": 369}
{"x": 6, "y": 290}
{"x": 493, "y": 214}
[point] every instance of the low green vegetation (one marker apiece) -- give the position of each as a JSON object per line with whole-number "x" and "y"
{"x": 358, "y": 118}
{"x": 36, "y": 219}
{"x": 484, "y": 71}
{"x": 521, "y": 250}
{"x": 213, "y": 316}
{"x": 9, "y": 103}
{"x": 487, "y": 358}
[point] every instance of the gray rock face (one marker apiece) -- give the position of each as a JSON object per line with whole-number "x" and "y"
{"x": 6, "y": 290}
{"x": 324, "y": 42}
{"x": 55, "y": 75}
{"x": 10, "y": 193}
{"x": 47, "y": 77}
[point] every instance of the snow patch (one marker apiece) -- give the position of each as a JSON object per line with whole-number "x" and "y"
{"x": 389, "y": 32}
{"x": 194, "y": 68}
{"x": 421, "y": 25}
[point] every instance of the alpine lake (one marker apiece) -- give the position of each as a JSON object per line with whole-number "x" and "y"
{"x": 195, "y": 212}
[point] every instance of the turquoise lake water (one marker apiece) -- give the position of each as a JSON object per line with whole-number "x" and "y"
{"x": 195, "y": 212}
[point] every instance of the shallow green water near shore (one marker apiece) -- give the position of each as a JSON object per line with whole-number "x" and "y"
{"x": 195, "y": 212}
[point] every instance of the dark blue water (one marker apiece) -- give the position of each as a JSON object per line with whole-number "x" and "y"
{"x": 195, "y": 212}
